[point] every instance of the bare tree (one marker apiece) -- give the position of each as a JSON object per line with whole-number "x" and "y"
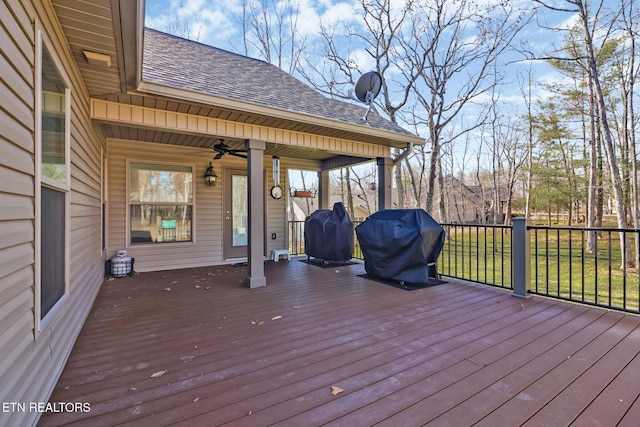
{"x": 182, "y": 25}
{"x": 588, "y": 28}
{"x": 525, "y": 83}
{"x": 458, "y": 44}
{"x": 628, "y": 71}
{"x": 270, "y": 32}
{"x": 383, "y": 36}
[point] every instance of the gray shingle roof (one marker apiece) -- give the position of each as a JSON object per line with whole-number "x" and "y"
{"x": 189, "y": 65}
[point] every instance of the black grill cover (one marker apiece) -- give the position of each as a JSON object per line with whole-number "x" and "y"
{"x": 328, "y": 234}
{"x": 399, "y": 244}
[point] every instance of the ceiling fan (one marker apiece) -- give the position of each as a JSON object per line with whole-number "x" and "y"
{"x": 221, "y": 148}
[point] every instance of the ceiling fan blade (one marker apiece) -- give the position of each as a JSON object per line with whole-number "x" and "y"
{"x": 218, "y": 156}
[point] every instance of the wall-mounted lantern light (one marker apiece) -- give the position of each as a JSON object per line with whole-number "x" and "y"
{"x": 210, "y": 176}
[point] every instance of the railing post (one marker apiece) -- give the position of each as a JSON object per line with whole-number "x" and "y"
{"x": 521, "y": 258}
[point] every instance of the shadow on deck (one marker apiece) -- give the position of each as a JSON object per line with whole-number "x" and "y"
{"x": 195, "y": 347}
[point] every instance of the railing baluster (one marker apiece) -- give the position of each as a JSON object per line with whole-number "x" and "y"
{"x": 610, "y": 272}
{"x": 558, "y": 291}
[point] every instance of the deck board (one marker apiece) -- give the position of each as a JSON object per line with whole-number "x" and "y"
{"x": 454, "y": 354}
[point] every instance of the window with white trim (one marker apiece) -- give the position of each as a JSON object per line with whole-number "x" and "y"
{"x": 53, "y": 175}
{"x": 160, "y": 203}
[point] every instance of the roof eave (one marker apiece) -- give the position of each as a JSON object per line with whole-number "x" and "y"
{"x": 218, "y": 101}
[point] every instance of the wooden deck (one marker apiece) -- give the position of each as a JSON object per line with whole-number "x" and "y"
{"x": 456, "y": 354}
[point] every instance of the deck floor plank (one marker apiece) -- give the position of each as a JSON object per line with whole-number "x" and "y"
{"x": 453, "y": 354}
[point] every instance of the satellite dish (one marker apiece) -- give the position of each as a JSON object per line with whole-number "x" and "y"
{"x": 367, "y": 88}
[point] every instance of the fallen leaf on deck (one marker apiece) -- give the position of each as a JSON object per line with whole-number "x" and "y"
{"x": 158, "y": 374}
{"x": 522, "y": 306}
{"x": 257, "y": 322}
{"x": 196, "y": 399}
{"x": 207, "y": 288}
{"x": 276, "y": 318}
{"x": 132, "y": 389}
{"x": 197, "y": 286}
{"x": 336, "y": 390}
{"x": 173, "y": 282}
{"x": 167, "y": 289}
{"x": 295, "y": 307}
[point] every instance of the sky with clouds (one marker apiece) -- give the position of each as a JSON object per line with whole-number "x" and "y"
{"x": 218, "y": 23}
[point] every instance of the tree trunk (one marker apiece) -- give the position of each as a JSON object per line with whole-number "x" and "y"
{"x": 607, "y": 138}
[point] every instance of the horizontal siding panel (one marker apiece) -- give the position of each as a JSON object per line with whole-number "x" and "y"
{"x": 21, "y": 47}
{"x": 17, "y": 133}
{"x": 83, "y": 248}
{"x": 89, "y": 153}
{"x": 16, "y": 107}
{"x": 14, "y": 182}
{"x": 21, "y": 87}
{"x": 16, "y": 232}
{"x": 85, "y": 199}
{"x": 15, "y": 258}
{"x": 15, "y": 341}
{"x": 87, "y": 222}
{"x": 23, "y": 14}
{"x": 13, "y": 309}
{"x": 16, "y": 158}
{"x": 16, "y": 207}
{"x": 86, "y": 274}
{"x": 13, "y": 285}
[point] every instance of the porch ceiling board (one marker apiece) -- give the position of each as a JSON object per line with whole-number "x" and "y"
{"x": 93, "y": 26}
{"x": 135, "y": 117}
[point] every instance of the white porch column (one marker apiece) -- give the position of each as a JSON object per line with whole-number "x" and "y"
{"x": 255, "y": 253}
{"x": 385, "y": 167}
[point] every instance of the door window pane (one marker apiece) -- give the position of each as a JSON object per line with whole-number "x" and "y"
{"x": 240, "y": 209}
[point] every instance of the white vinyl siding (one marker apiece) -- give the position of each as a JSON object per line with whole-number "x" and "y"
{"x": 30, "y": 366}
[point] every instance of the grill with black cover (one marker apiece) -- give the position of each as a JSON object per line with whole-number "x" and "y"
{"x": 328, "y": 234}
{"x": 401, "y": 245}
